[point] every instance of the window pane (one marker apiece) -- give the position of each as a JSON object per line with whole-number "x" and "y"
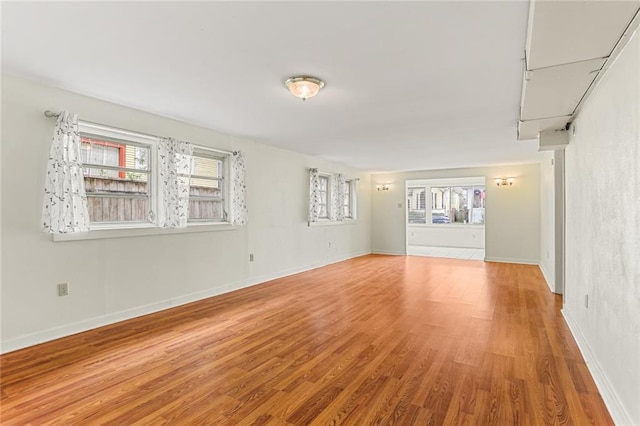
{"x": 208, "y": 168}
{"x": 457, "y": 204}
{"x": 118, "y": 209}
{"x": 205, "y": 209}
{"x": 347, "y": 199}
{"x": 114, "y": 179}
{"x": 115, "y": 194}
{"x": 324, "y": 197}
{"x": 459, "y": 211}
{"x": 440, "y": 205}
{"x": 107, "y": 153}
{"x": 416, "y": 205}
{"x": 324, "y": 183}
{"x": 476, "y": 211}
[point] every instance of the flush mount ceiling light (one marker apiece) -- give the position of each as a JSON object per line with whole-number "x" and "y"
{"x": 304, "y": 86}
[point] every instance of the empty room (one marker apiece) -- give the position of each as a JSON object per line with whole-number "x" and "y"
{"x": 314, "y": 213}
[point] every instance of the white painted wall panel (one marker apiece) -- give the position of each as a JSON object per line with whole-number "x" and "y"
{"x": 446, "y": 236}
{"x": 547, "y": 220}
{"x": 603, "y": 234}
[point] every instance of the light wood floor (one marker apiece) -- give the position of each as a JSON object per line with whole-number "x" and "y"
{"x": 373, "y": 340}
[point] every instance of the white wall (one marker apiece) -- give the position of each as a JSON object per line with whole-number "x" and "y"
{"x": 547, "y": 219}
{"x": 465, "y": 236}
{"x": 512, "y": 228}
{"x": 114, "y": 279}
{"x": 603, "y": 235}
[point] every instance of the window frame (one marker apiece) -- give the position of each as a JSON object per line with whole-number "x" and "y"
{"x": 428, "y": 184}
{"x": 223, "y": 157}
{"x": 114, "y": 229}
{"x": 119, "y": 136}
{"x": 327, "y": 203}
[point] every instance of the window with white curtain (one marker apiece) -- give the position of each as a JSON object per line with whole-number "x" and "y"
{"x": 332, "y": 198}
{"x": 121, "y": 179}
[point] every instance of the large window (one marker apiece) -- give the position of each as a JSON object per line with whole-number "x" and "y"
{"x": 449, "y": 204}
{"x": 120, "y": 176}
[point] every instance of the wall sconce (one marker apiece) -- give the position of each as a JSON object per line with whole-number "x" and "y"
{"x": 504, "y": 181}
{"x": 383, "y": 187}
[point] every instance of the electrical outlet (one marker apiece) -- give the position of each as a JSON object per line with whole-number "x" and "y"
{"x": 329, "y": 244}
{"x": 586, "y": 301}
{"x": 399, "y": 205}
{"x": 63, "y": 289}
{"x": 251, "y": 257}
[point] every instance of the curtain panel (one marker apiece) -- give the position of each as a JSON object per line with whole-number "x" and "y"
{"x": 65, "y": 201}
{"x": 238, "y": 190}
{"x": 174, "y": 169}
{"x": 314, "y": 195}
{"x": 340, "y": 197}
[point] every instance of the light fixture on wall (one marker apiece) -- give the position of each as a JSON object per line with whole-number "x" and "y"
{"x": 304, "y": 86}
{"x": 383, "y": 187}
{"x": 504, "y": 181}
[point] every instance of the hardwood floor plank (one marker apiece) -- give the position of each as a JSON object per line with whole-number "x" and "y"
{"x": 372, "y": 340}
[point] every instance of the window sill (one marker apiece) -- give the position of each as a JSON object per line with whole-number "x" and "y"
{"x": 142, "y": 230}
{"x": 333, "y": 222}
{"x": 445, "y": 225}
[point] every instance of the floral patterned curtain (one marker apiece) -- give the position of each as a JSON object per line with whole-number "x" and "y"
{"x": 314, "y": 195}
{"x": 239, "y": 213}
{"x": 174, "y": 169}
{"x": 65, "y": 201}
{"x": 333, "y": 198}
{"x": 340, "y": 197}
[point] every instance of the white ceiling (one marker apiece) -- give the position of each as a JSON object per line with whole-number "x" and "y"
{"x": 409, "y": 85}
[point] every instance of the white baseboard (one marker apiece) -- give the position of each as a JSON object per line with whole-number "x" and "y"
{"x": 618, "y": 413}
{"x": 512, "y": 260}
{"x": 111, "y": 318}
{"x": 547, "y": 278}
{"x": 292, "y": 271}
{"x": 390, "y": 252}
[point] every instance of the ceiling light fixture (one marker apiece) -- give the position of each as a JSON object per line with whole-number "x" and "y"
{"x": 304, "y": 86}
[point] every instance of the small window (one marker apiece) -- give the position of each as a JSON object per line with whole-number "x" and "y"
{"x": 323, "y": 206}
{"x": 206, "y": 187}
{"x": 117, "y": 179}
{"x": 348, "y": 199}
